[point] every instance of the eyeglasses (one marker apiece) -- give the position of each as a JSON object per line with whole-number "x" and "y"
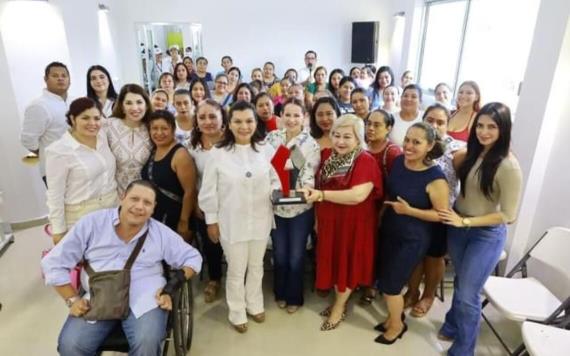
{"x": 310, "y": 58}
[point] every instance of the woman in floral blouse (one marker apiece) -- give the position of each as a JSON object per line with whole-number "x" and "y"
{"x": 293, "y": 222}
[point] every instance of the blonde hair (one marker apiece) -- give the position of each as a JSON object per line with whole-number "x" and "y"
{"x": 357, "y": 124}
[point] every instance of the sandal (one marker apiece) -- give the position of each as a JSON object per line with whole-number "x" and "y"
{"x": 411, "y": 300}
{"x": 240, "y": 328}
{"x": 422, "y": 307}
{"x": 211, "y": 291}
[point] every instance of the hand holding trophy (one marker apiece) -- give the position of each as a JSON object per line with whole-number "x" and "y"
{"x": 288, "y": 162}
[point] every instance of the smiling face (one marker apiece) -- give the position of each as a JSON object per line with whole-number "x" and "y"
{"x": 442, "y": 94}
{"x": 296, "y": 91}
{"x": 407, "y": 79}
{"x": 438, "y": 120}
{"x": 487, "y": 131}
{"x": 161, "y": 133}
{"x": 410, "y": 101}
{"x": 344, "y": 140}
{"x": 137, "y": 206}
{"x": 390, "y": 95}
{"x": 209, "y": 120}
{"x": 466, "y": 96}
{"x": 244, "y": 94}
{"x": 416, "y": 145}
{"x": 134, "y": 107}
{"x": 183, "y": 105}
{"x": 87, "y": 123}
{"x": 226, "y": 64}
{"x": 264, "y": 108}
{"x": 384, "y": 79}
{"x": 243, "y": 125}
{"x": 376, "y": 129}
{"x": 98, "y": 81}
{"x": 345, "y": 90}
{"x": 325, "y": 117}
{"x": 198, "y": 92}
{"x": 293, "y": 117}
{"x": 233, "y": 76}
{"x": 360, "y": 104}
{"x": 291, "y": 74}
{"x": 159, "y": 101}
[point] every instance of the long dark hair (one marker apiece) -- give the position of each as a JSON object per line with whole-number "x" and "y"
{"x": 204, "y": 85}
{"x": 111, "y": 92}
{"x": 329, "y": 85}
{"x": 196, "y": 134}
{"x": 501, "y": 115}
{"x": 261, "y": 125}
{"x": 242, "y": 85}
{"x": 316, "y": 131}
{"x": 229, "y": 140}
{"x": 381, "y": 70}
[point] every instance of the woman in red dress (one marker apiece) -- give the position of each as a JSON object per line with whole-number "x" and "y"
{"x": 348, "y": 184}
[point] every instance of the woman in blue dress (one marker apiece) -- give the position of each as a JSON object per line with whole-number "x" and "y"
{"x": 417, "y": 189}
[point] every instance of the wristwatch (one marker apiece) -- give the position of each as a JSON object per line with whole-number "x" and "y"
{"x": 69, "y": 301}
{"x": 466, "y": 222}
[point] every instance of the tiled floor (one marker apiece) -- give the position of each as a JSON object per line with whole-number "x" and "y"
{"x": 33, "y": 314}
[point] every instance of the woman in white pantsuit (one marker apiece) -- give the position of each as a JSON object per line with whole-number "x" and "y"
{"x": 235, "y": 198}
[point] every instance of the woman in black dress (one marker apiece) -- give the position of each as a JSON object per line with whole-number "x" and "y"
{"x": 172, "y": 169}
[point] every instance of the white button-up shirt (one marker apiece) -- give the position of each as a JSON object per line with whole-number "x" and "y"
{"x": 44, "y": 123}
{"x": 236, "y": 192}
{"x": 76, "y": 173}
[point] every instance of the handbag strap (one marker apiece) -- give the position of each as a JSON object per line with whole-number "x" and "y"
{"x": 167, "y": 193}
{"x": 130, "y": 261}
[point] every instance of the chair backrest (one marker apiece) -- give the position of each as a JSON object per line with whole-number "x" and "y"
{"x": 552, "y": 257}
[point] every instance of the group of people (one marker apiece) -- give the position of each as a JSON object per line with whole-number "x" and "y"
{"x": 390, "y": 188}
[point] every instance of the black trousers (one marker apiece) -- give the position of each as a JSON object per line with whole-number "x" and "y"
{"x": 211, "y": 251}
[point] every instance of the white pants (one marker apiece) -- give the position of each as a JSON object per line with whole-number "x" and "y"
{"x": 243, "y": 291}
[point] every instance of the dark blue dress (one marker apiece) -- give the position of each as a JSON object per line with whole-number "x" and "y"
{"x": 404, "y": 240}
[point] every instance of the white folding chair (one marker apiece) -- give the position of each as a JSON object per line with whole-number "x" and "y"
{"x": 527, "y": 298}
{"x": 545, "y": 340}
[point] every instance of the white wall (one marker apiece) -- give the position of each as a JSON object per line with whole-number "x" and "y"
{"x": 253, "y": 32}
{"x": 32, "y": 34}
{"x": 541, "y": 132}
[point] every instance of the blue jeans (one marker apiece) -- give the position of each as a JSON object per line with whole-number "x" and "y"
{"x": 145, "y": 334}
{"x": 289, "y": 247}
{"x": 474, "y": 252}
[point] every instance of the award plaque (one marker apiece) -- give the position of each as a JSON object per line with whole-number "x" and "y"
{"x": 288, "y": 163}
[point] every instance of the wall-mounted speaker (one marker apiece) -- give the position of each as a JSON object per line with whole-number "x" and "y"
{"x": 364, "y": 42}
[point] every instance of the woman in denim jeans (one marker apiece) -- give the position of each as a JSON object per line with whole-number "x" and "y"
{"x": 293, "y": 223}
{"x": 491, "y": 181}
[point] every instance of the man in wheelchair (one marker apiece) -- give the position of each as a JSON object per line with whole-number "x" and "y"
{"x": 107, "y": 240}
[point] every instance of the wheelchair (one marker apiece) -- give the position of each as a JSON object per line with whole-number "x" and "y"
{"x": 179, "y": 327}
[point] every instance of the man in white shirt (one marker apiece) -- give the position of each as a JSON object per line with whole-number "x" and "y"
{"x": 306, "y": 73}
{"x": 44, "y": 119}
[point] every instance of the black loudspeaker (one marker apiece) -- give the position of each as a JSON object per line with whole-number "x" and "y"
{"x": 364, "y": 42}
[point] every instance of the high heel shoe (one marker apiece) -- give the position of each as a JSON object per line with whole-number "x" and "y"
{"x": 382, "y": 340}
{"x": 327, "y": 311}
{"x": 380, "y": 327}
{"x": 327, "y": 325}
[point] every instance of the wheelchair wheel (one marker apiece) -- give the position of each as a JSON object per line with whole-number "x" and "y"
{"x": 183, "y": 319}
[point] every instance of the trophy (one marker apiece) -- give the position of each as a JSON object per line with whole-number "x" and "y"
{"x": 288, "y": 163}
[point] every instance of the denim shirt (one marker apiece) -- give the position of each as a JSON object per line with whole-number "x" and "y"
{"x": 94, "y": 239}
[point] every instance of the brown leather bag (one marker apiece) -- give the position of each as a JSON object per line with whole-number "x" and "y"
{"x": 109, "y": 290}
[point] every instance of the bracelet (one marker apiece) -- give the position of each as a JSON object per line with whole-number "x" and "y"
{"x": 322, "y": 195}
